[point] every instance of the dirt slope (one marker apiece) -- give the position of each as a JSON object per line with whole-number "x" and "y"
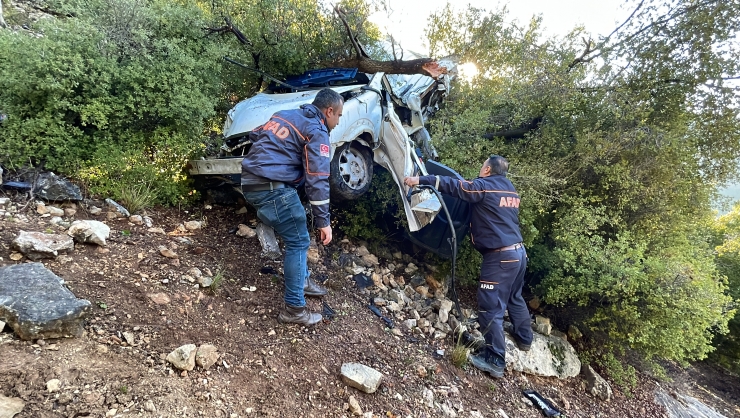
{"x": 265, "y": 368}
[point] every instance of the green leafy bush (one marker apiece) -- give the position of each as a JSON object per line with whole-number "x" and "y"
{"x": 726, "y": 231}
{"x": 115, "y": 97}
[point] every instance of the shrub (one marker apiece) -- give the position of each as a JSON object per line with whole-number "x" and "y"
{"x": 114, "y": 97}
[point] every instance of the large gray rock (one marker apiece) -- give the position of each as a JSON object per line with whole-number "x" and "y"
{"x": 595, "y": 384}
{"x": 9, "y": 407}
{"x": 683, "y": 406}
{"x": 93, "y": 232}
{"x": 35, "y": 304}
{"x": 361, "y": 377}
{"x": 49, "y": 186}
{"x": 38, "y": 245}
{"x": 549, "y": 356}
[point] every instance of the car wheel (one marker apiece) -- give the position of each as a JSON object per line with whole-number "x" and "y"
{"x": 351, "y": 171}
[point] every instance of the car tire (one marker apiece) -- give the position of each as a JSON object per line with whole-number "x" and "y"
{"x": 351, "y": 171}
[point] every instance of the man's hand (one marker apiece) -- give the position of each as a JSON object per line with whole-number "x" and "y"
{"x": 325, "y": 235}
{"x": 411, "y": 181}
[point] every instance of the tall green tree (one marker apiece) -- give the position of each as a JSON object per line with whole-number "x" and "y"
{"x": 616, "y": 145}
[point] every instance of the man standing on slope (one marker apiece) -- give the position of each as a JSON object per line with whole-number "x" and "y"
{"x": 494, "y": 230}
{"x": 290, "y": 150}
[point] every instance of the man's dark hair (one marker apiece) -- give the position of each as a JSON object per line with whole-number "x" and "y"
{"x": 498, "y": 164}
{"x": 327, "y": 98}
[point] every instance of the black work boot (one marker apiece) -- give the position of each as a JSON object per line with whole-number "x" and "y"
{"x": 311, "y": 288}
{"x": 298, "y": 315}
{"x": 489, "y": 364}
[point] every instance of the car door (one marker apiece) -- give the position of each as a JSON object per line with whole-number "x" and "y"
{"x": 396, "y": 153}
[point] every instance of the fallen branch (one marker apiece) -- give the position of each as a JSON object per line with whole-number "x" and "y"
{"x": 364, "y": 63}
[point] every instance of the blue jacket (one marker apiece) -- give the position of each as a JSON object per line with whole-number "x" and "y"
{"x": 293, "y": 148}
{"x": 494, "y": 221}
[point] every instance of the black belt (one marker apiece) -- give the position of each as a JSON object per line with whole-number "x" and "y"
{"x": 507, "y": 248}
{"x": 272, "y": 185}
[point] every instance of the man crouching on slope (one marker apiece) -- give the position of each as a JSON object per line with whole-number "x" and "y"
{"x": 290, "y": 150}
{"x": 494, "y": 230}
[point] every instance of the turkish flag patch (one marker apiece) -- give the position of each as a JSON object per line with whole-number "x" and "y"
{"x": 324, "y": 150}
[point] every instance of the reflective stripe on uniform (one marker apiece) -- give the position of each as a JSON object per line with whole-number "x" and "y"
{"x": 319, "y": 202}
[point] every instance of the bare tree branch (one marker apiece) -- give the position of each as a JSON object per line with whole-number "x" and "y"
{"x": 661, "y": 21}
{"x": 584, "y": 58}
{"x": 365, "y": 64}
{"x": 230, "y": 28}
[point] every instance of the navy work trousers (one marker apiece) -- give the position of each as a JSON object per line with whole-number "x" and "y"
{"x": 500, "y": 288}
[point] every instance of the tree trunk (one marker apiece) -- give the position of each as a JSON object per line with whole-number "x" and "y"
{"x": 425, "y": 66}
{"x": 2, "y": 21}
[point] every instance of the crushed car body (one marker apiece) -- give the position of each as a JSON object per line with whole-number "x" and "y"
{"x": 382, "y": 122}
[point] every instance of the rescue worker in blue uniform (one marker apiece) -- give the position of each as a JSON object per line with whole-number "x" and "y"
{"x": 495, "y": 234}
{"x": 291, "y": 150}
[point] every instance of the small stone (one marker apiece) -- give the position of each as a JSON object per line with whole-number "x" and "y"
{"x": 148, "y": 221}
{"x": 157, "y": 231}
{"x": 397, "y": 332}
{"x": 195, "y": 272}
{"x": 183, "y": 357}
{"x": 129, "y": 337}
{"x": 242, "y": 210}
{"x": 111, "y": 413}
{"x": 428, "y": 397}
{"x": 149, "y": 406}
{"x": 70, "y": 212}
{"x": 423, "y": 291}
{"x": 544, "y": 329}
{"x": 118, "y": 210}
{"x": 41, "y": 208}
{"x": 53, "y": 385}
{"x": 534, "y": 303}
{"x": 206, "y": 356}
{"x": 38, "y": 245}
{"x": 136, "y": 219}
{"x": 380, "y": 302}
{"x": 354, "y": 406}
{"x": 205, "y": 281}
{"x": 54, "y": 211}
{"x": 166, "y": 252}
{"x": 245, "y": 231}
{"x": 89, "y": 231}
{"x": 159, "y": 298}
{"x": 16, "y": 256}
{"x": 421, "y": 371}
{"x": 541, "y": 320}
{"x": 410, "y": 323}
{"x": 361, "y": 377}
{"x": 193, "y": 225}
{"x": 94, "y": 210}
{"x": 595, "y": 384}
